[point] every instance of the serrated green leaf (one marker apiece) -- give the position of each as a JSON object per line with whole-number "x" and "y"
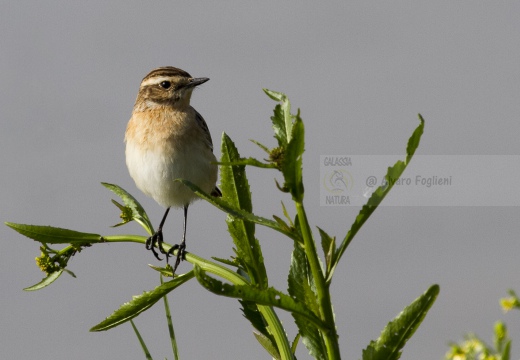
{"x": 267, "y": 345}
{"x": 288, "y": 118}
{"x": 264, "y": 337}
{"x": 275, "y": 95}
{"x": 328, "y": 244}
{"x": 282, "y": 119}
{"x": 54, "y": 235}
{"x": 235, "y": 191}
{"x": 251, "y": 313}
{"x": 137, "y": 211}
{"x": 234, "y": 183}
{"x": 49, "y": 279}
{"x": 164, "y": 271}
{"x": 292, "y": 164}
{"x": 395, "y": 335}
{"x": 233, "y": 262}
{"x": 269, "y": 296}
{"x": 413, "y": 142}
{"x": 377, "y": 196}
{"x": 301, "y": 284}
{"x": 141, "y": 303}
{"x": 302, "y": 288}
{"x": 282, "y": 223}
{"x": 278, "y": 120}
{"x": 311, "y": 338}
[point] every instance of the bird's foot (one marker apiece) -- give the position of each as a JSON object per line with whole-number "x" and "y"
{"x": 181, "y": 254}
{"x": 157, "y": 240}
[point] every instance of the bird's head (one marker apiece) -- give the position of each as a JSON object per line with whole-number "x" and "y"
{"x": 167, "y": 86}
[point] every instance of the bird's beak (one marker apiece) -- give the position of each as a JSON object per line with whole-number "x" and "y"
{"x": 197, "y": 81}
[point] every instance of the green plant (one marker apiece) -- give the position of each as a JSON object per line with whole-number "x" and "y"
{"x": 309, "y": 279}
{"x": 473, "y": 348}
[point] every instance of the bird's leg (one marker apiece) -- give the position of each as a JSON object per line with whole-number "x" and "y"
{"x": 181, "y": 248}
{"x": 157, "y": 239}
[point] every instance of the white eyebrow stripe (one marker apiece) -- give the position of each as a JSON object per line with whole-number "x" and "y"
{"x": 156, "y": 80}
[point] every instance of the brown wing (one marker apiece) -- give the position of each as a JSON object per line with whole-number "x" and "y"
{"x": 202, "y": 123}
{"x": 207, "y": 137}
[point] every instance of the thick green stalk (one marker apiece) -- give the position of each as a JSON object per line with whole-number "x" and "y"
{"x": 277, "y": 330}
{"x": 274, "y": 323}
{"x": 125, "y": 238}
{"x": 325, "y": 304}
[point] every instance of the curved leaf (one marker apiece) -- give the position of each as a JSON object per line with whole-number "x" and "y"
{"x": 235, "y": 191}
{"x": 282, "y": 121}
{"x": 55, "y": 235}
{"x": 292, "y": 163}
{"x": 141, "y": 303}
{"x": 268, "y": 345}
{"x": 377, "y": 197}
{"x": 303, "y": 289}
{"x": 137, "y": 211}
{"x": 279, "y": 126}
{"x": 395, "y": 335}
{"x": 269, "y": 297}
{"x": 45, "y": 281}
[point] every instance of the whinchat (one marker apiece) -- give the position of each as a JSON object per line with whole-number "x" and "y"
{"x": 167, "y": 139}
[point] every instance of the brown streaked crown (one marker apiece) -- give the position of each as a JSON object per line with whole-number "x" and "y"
{"x": 167, "y": 71}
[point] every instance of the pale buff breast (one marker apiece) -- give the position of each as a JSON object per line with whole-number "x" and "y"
{"x": 162, "y": 148}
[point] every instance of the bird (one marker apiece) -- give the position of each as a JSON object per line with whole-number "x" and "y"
{"x": 167, "y": 139}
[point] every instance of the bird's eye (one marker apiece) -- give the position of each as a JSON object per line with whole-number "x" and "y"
{"x": 166, "y": 84}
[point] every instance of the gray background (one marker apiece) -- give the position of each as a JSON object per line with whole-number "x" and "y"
{"x": 360, "y": 72}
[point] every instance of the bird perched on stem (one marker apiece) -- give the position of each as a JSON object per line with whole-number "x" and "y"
{"x": 167, "y": 139}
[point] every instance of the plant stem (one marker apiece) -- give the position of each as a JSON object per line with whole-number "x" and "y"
{"x": 268, "y": 312}
{"x": 273, "y": 322}
{"x": 125, "y": 238}
{"x": 169, "y": 321}
{"x": 277, "y": 330}
{"x": 326, "y": 313}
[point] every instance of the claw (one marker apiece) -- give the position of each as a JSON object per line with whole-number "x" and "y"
{"x": 155, "y": 240}
{"x": 172, "y": 249}
{"x": 149, "y": 243}
{"x": 180, "y": 254}
{"x": 156, "y": 254}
